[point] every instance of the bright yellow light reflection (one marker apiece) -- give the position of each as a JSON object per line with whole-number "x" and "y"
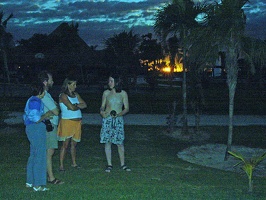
{"x": 177, "y": 68}
{"x": 167, "y": 69}
{"x": 164, "y": 65}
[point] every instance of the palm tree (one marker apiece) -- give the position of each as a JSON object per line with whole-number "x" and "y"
{"x": 5, "y": 41}
{"x": 173, "y": 48}
{"x": 223, "y": 31}
{"x": 178, "y": 19}
{"x": 150, "y": 51}
{"x": 122, "y": 50}
{"x": 174, "y": 52}
{"x": 226, "y": 28}
{"x": 248, "y": 165}
{"x": 255, "y": 50}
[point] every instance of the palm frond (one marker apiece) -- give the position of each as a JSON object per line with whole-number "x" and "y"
{"x": 256, "y": 160}
{"x": 238, "y": 156}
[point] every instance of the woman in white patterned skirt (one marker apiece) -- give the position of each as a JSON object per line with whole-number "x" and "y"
{"x": 114, "y": 106}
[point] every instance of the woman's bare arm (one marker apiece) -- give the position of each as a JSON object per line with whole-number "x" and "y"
{"x": 82, "y": 104}
{"x": 125, "y": 103}
{"x": 64, "y": 99}
{"x": 103, "y": 113}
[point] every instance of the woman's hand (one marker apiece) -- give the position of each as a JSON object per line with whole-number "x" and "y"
{"x": 48, "y": 114}
{"x": 113, "y": 114}
{"x": 104, "y": 114}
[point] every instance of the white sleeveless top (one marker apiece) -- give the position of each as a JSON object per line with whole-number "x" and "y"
{"x": 70, "y": 114}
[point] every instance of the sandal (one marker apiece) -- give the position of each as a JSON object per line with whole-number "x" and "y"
{"x": 108, "y": 168}
{"x": 125, "y": 168}
{"x": 76, "y": 166}
{"x": 40, "y": 189}
{"x": 56, "y": 182}
{"x": 62, "y": 170}
{"x": 28, "y": 185}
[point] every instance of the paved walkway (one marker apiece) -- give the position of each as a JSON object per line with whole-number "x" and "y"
{"x": 161, "y": 120}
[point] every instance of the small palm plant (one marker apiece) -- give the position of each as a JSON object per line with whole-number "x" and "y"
{"x": 248, "y": 165}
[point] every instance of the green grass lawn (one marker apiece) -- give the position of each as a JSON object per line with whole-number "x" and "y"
{"x": 157, "y": 173}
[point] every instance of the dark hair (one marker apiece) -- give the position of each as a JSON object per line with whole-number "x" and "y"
{"x": 117, "y": 82}
{"x": 37, "y": 88}
{"x": 43, "y": 76}
{"x": 66, "y": 82}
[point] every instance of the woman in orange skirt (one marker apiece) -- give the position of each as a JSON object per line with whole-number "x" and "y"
{"x": 69, "y": 128}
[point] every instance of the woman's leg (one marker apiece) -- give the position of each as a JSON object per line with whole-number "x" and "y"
{"x": 40, "y": 165}
{"x": 121, "y": 152}
{"x": 30, "y": 164}
{"x": 50, "y": 153}
{"x": 63, "y": 153}
{"x": 108, "y": 153}
{"x": 73, "y": 153}
{"x": 37, "y": 161}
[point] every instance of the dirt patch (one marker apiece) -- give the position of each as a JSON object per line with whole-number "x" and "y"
{"x": 212, "y": 155}
{"x": 191, "y": 136}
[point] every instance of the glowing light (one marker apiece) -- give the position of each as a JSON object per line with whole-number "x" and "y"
{"x": 164, "y": 65}
{"x": 167, "y": 69}
{"x": 178, "y": 65}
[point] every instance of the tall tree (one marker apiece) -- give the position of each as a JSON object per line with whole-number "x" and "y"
{"x": 223, "y": 32}
{"x": 151, "y": 52}
{"x": 150, "y": 49}
{"x": 173, "y": 49}
{"x": 179, "y": 19}
{"x": 122, "y": 50}
{"x": 226, "y": 21}
{"x": 5, "y": 42}
{"x": 255, "y": 54}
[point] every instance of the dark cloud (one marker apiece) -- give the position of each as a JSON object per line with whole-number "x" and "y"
{"x": 255, "y": 12}
{"x": 100, "y": 19}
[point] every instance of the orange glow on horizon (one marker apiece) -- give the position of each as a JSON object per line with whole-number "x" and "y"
{"x": 177, "y": 68}
{"x": 167, "y": 69}
{"x": 164, "y": 65}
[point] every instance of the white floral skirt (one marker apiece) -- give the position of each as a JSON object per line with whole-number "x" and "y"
{"x": 112, "y": 130}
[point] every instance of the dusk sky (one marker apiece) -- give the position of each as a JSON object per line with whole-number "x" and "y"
{"x": 101, "y": 19}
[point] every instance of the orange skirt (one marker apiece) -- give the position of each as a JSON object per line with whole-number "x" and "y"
{"x": 69, "y": 129}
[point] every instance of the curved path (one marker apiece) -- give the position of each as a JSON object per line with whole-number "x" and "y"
{"x": 161, "y": 120}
